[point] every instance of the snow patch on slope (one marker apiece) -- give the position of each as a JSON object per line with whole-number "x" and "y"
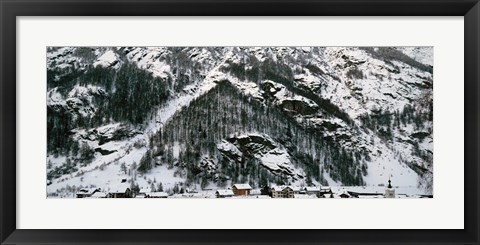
{"x": 55, "y": 99}
{"x": 277, "y": 160}
{"x": 423, "y": 55}
{"x": 151, "y": 59}
{"x": 379, "y": 86}
{"x": 384, "y": 165}
{"x": 108, "y": 59}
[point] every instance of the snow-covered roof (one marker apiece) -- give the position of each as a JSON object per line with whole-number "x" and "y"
{"x": 242, "y": 186}
{"x": 312, "y": 188}
{"x": 87, "y": 191}
{"x": 376, "y": 196}
{"x": 144, "y": 191}
{"x": 277, "y": 188}
{"x": 158, "y": 194}
{"x": 295, "y": 188}
{"x": 304, "y": 196}
{"x": 344, "y": 193}
{"x": 225, "y": 192}
{"x": 282, "y": 187}
{"x": 255, "y": 192}
{"x": 119, "y": 189}
{"x": 99, "y": 195}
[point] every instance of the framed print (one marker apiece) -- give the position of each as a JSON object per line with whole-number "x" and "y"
{"x": 239, "y": 122}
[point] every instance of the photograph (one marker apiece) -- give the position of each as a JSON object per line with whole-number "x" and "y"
{"x": 239, "y": 122}
{"x": 219, "y": 113}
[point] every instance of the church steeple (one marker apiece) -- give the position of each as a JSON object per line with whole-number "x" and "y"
{"x": 389, "y": 191}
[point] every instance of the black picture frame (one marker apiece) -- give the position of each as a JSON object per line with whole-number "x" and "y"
{"x": 10, "y": 9}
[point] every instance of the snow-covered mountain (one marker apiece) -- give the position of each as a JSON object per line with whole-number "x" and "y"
{"x": 191, "y": 118}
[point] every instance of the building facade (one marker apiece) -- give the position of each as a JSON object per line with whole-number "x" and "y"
{"x": 241, "y": 189}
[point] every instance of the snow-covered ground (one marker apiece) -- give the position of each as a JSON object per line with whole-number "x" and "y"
{"x": 108, "y": 59}
{"x": 420, "y": 54}
{"x": 382, "y": 86}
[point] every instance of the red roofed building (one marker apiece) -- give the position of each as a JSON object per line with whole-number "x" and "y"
{"x": 241, "y": 189}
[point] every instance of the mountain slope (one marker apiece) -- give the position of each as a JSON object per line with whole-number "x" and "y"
{"x": 212, "y": 116}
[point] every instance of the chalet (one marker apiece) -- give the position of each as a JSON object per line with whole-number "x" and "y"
{"x": 296, "y": 190}
{"x": 241, "y": 189}
{"x": 86, "y": 192}
{"x": 283, "y": 192}
{"x": 158, "y": 194}
{"x": 277, "y": 191}
{"x": 344, "y": 195}
{"x": 288, "y": 192}
{"x": 99, "y": 194}
{"x": 327, "y": 195}
{"x": 224, "y": 193}
{"x": 120, "y": 192}
{"x": 325, "y": 190}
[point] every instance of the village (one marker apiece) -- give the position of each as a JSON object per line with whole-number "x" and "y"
{"x": 246, "y": 191}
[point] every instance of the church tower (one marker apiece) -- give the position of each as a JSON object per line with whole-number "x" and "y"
{"x": 389, "y": 191}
